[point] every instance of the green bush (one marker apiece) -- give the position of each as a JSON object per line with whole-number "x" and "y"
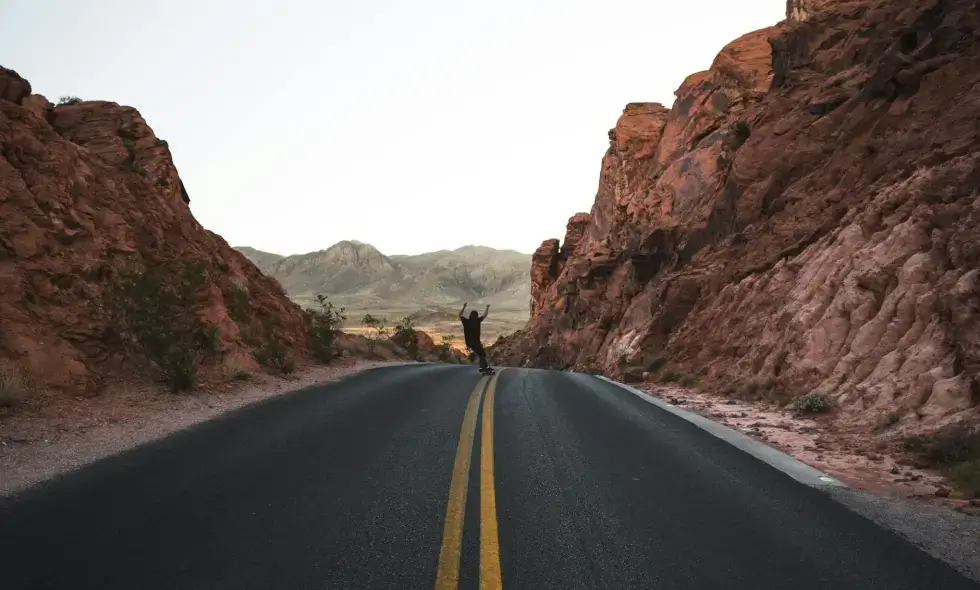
{"x": 324, "y": 325}
{"x": 956, "y": 450}
{"x": 739, "y": 134}
{"x": 814, "y": 402}
{"x": 69, "y": 100}
{"x": 274, "y": 355}
{"x": 154, "y": 312}
{"x": 689, "y": 381}
{"x": 376, "y": 325}
{"x": 671, "y": 377}
{"x": 966, "y": 477}
{"x": 406, "y": 337}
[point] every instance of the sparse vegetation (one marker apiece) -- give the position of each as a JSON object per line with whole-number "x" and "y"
{"x": 755, "y": 390}
{"x": 446, "y": 347}
{"x": 592, "y": 368}
{"x": 890, "y": 419}
{"x": 815, "y": 402}
{"x": 241, "y": 376}
{"x": 69, "y": 100}
{"x": 324, "y": 324}
{"x": 656, "y": 364}
{"x": 239, "y": 305}
{"x": 682, "y": 379}
{"x": 405, "y": 336}
{"x": 12, "y": 388}
{"x": 956, "y": 451}
{"x": 153, "y": 311}
{"x": 966, "y": 477}
{"x": 274, "y": 355}
{"x": 378, "y": 329}
{"x": 688, "y": 381}
{"x": 739, "y": 132}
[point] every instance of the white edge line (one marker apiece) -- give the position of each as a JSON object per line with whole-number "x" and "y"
{"x": 792, "y": 467}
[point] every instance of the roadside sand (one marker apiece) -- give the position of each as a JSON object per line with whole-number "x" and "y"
{"x": 853, "y": 458}
{"x": 60, "y": 433}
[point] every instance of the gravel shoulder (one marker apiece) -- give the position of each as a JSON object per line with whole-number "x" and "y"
{"x": 56, "y": 433}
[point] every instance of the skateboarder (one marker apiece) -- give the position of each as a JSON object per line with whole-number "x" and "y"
{"x": 471, "y": 334}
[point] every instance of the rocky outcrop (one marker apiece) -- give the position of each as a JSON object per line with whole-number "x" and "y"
{"x": 548, "y": 261}
{"x": 807, "y": 214}
{"x": 86, "y": 188}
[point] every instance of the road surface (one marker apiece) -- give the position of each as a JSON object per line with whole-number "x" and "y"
{"x": 431, "y": 476}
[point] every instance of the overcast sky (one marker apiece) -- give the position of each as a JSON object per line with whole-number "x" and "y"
{"x": 412, "y": 125}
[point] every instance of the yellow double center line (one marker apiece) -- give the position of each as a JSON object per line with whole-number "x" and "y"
{"x": 447, "y": 573}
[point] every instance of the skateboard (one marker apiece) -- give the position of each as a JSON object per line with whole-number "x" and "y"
{"x": 488, "y": 371}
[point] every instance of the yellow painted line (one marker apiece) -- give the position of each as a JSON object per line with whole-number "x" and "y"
{"x": 489, "y": 543}
{"x": 447, "y": 574}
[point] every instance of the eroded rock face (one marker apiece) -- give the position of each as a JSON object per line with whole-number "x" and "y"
{"x": 85, "y": 188}
{"x": 802, "y": 10}
{"x": 807, "y": 213}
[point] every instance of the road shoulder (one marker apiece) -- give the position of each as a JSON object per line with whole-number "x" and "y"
{"x": 791, "y": 445}
{"x": 63, "y": 433}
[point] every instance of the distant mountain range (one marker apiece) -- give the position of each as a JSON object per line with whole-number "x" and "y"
{"x": 355, "y": 273}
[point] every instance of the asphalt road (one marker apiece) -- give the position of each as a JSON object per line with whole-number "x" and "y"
{"x": 431, "y": 476}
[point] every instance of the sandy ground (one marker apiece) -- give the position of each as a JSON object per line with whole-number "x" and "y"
{"x": 61, "y": 433}
{"x": 850, "y": 457}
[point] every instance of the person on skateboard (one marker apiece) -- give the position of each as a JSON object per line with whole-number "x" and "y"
{"x": 471, "y": 334}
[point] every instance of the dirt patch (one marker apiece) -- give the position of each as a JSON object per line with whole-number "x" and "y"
{"x": 851, "y": 457}
{"x": 54, "y": 433}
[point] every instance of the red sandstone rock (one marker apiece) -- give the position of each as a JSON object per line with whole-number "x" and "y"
{"x": 84, "y": 188}
{"x": 807, "y": 213}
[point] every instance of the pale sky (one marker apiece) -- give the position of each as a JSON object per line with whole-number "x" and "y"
{"x": 411, "y": 125}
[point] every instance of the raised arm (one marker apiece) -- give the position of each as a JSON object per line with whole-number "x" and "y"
{"x": 462, "y": 310}
{"x": 485, "y": 312}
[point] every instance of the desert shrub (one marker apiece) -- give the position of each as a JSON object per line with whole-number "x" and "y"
{"x": 154, "y": 312}
{"x": 947, "y": 447}
{"x": 656, "y": 364}
{"x": 688, "y": 381}
{"x": 378, "y": 328}
{"x": 12, "y": 388}
{"x": 241, "y": 376}
{"x": 69, "y": 100}
{"x": 670, "y": 377}
{"x": 324, "y": 324}
{"x": 966, "y": 477}
{"x": 239, "y": 305}
{"x": 955, "y": 450}
{"x": 446, "y": 347}
{"x": 405, "y": 336}
{"x": 739, "y": 134}
{"x": 888, "y": 420}
{"x": 814, "y": 402}
{"x": 274, "y": 355}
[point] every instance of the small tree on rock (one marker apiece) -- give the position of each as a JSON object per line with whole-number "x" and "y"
{"x": 377, "y": 326}
{"x": 324, "y": 325}
{"x": 153, "y": 311}
{"x": 406, "y": 337}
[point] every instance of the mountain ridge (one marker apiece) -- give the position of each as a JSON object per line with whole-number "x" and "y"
{"x": 356, "y": 271}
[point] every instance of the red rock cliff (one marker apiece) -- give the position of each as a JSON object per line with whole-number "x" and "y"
{"x": 85, "y": 187}
{"x": 806, "y": 213}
